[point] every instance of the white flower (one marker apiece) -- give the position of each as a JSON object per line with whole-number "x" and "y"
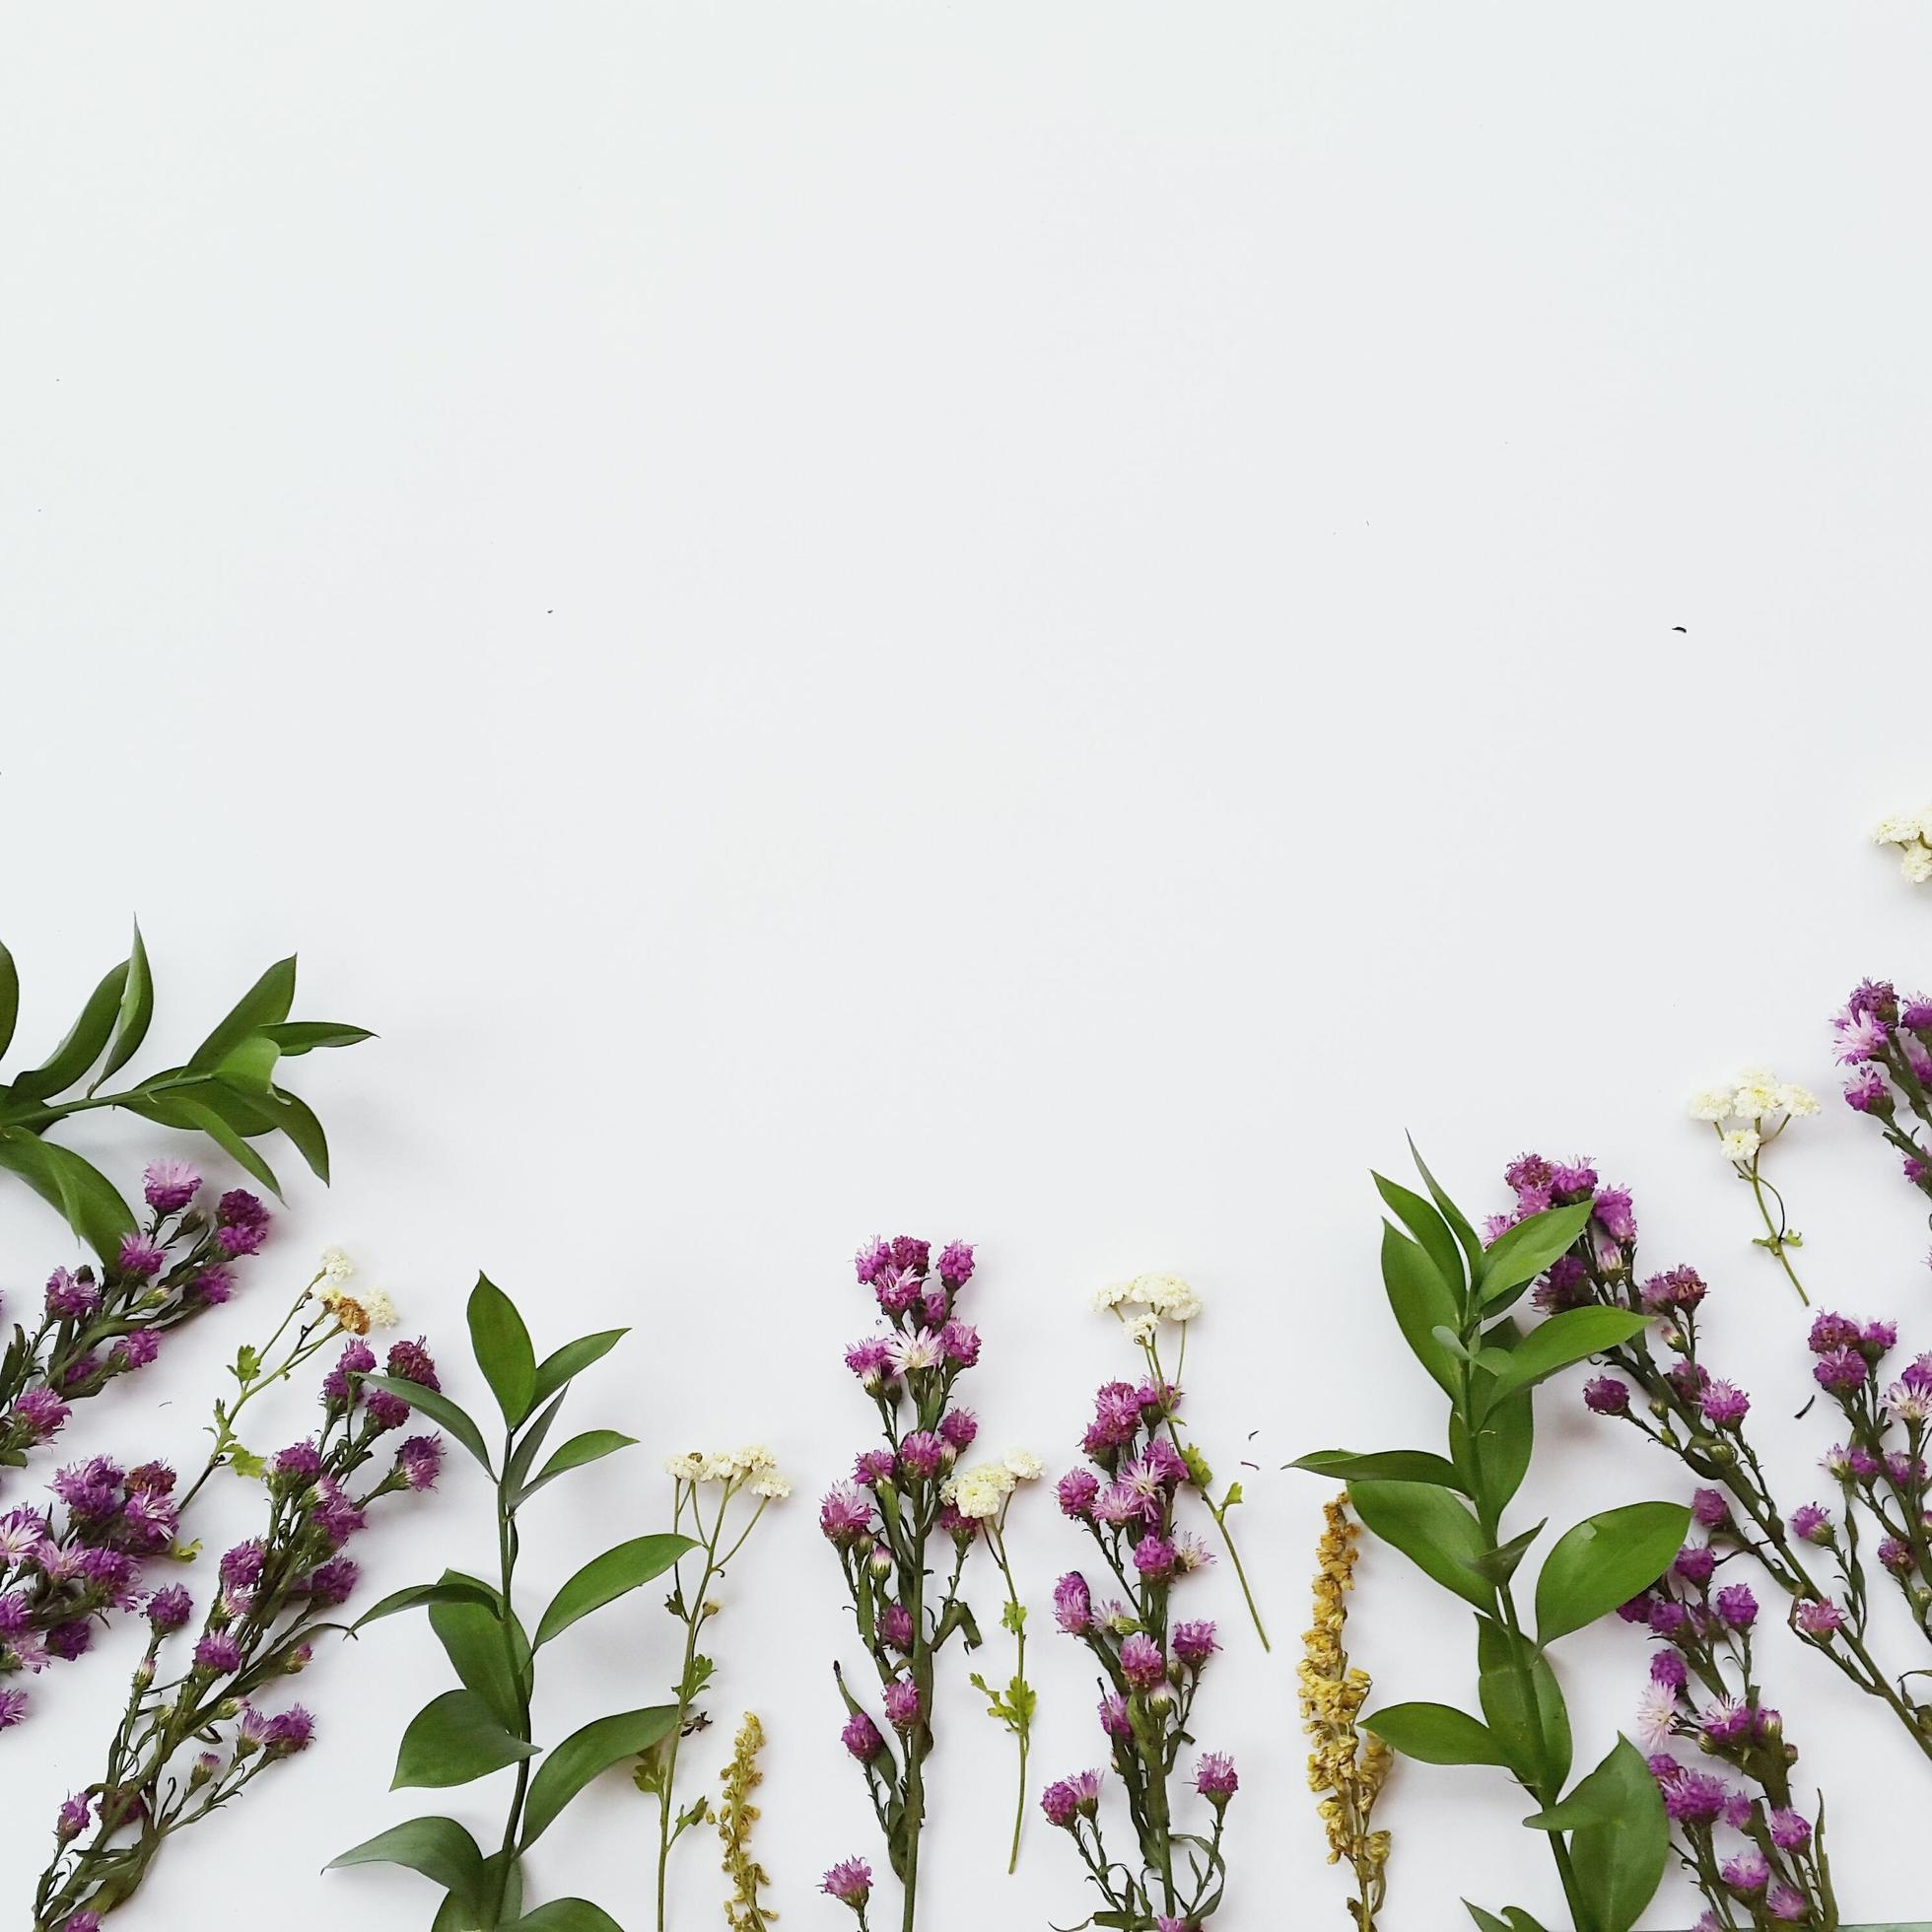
{"x": 1656, "y": 1709}
{"x": 1167, "y": 1294}
{"x": 751, "y": 1461}
{"x": 912, "y": 1349}
{"x": 1756, "y": 1095}
{"x": 772, "y": 1486}
{"x": 979, "y": 1491}
{"x": 1110, "y": 1296}
{"x": 337, "y": 1268}
{"x": 1742, "y": 1145}
{"x": 1915, "y": 862}
{"x": 687, "y": 1468}
{"x": 721, "y": 1467}
{"x": 1908, "y": 1404}
{"x": 379, "y": 1309}
{"x": 1898, "y": 828}
{"x": 1024, "y": 1466}
{"x": 1710, "y": 1104}
{"x": 1142, "y": 1327}
{"x": 1796, "y": 1101}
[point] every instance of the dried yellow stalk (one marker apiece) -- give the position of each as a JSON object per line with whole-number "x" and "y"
{"x": 744, "y": 1910}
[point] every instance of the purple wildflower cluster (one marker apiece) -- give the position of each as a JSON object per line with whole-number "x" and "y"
{"x": 1150, "y": 1664}
{"x": 95, "y": 1325}
{"x": 62, "y": 1572}
{"x": 192, "y": 1735}
{"x": 882, "y": 1522}
{"x": 1663, "y": 1389}
{"x": 1886, "y": 1043}
{"x": 1702, "y": 1692}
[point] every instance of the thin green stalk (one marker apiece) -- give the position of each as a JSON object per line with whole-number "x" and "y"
{"x": 507, "y": 1553}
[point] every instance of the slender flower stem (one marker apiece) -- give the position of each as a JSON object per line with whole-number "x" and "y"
{"x": 1777, "y": 1236}
{"x": 997, "y": 1543}
{"x": 508, "y": 1545}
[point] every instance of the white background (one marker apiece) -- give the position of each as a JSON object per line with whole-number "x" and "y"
{"x": 1045, "y": 623}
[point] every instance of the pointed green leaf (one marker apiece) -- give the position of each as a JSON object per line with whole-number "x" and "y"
{"x": 572, "y": 1358}
{"x": 63, "y": 1179}
{"x": 589, "y": 1447}
{"x": 1381, "y": 1466}
{"x": 437, "y": 1847}
{"x": 198, "y": 1105}
{"x": 603, "y": 1579}
{"x": 587, "y": 1753}
{"x": 419, "y": 1596}
{"x": 1561, "y": 1341}
{"x": 1431, "y": 1528}
{"x": 248, "y": 1064}
{"x": 437, "y": 1407}
{"x": 1521, "y": 1253}
{"x": 453, "y": 1739}
{"x": 1606, "y": 1560}
{"x": 294, "y": 1116}
{"x": 1620, "y": 1838}
{"x": 488, "y": 1658}
{"x": 1422, "y": 1302}
{"x": 300, "y": 1036}
{"x": 1435, "y": 1733}
{"x": 1500, "y": 1565}
{"x": 1432, "y": 1233}
{"x": 502, "y": 1346}
{"x": 136, "y": 1012}
{"x": 524, "y": 1456}
{"x": 265, "y": 1003}
{"x": 1523, "y": 1705}
{"x": 567, "y": 1915}
{"x": 9, "y": 999}
{"x": 1470, "y": 1241}
{"x": 78, "y": 1052}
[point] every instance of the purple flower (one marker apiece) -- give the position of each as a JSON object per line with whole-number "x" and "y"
{"x": 1153, "y": 1558}
{"x": 871, "y": 1362}
{"x": 849, "y": 1882}
{"x": 1737, "y": 1606}
{"x": 38, "y": 1415}
{"x": 169, "y": 1609}
{"x": 1666, "y": 1617}
{"x": 1711, "y": 1507}
{"x": 1676, "y": 1288}
{"x": 1070, "y": 1798}
{"x": 420, "y": 1460}
{"x": 358, "y": 1359}
{"x": 411, "y": 1361}
{"x": 1194, "y": 1643}
{"x": 332, "y": 1583}
{"x": 1811, "y": 1524}
{"x": 1114, "y": 1719}
{"x": 862, "y": 1737}
{"x": 1818, "y": 1618}
{"x": 873, "y": 1467}
{"x": 958, "y": 1428}
{"x": 1616, "y": 1215}
{"x": 961, "y": 1341}
{"x": 289, "y": 1731}
{"x": 1897, "y": 1556}
{"x": 902, "y": 1703}
{"x": 1841, "y": 1371}
{"x": 218, "y": 1652}
{"x": 1076, "y": 1491}
{"x": 76, "y": 1814}
{"x": 1695, "y": 1798}
{"x": 1783, "y": 1903}
{"x": 135, "y": 1350}
{"x": 1695, "y": 1564}
{"x": 71, "y": 1297}
{"x": 1746, "y": 1872}
{"x": 300, "y": 1462}
{"x": 1607, "y": 1395}
{"x": 1214, "y": 1779}
{"x": 1789, "y": 1830}
{"x": 871, "y": 1262}
{"x": 1724, "y": 1404}
{"x": 895, "y": 1627}
{"x": 1141, "y": 1663}
{"x": 214, "y": 1284}
{"x": 922, "y": 1453}
{"x": 13, "y": 1708}
{"x": 1668, "y": 1668}
{"x": 139, "y": 1257}
{"x": 844, "y": 1514}
{"x": 241, "y": 1208}
{"x": 1867, "y": 1093}
{"x": 170, "y": 1185}
{"x": 1072, "y": 1606}
{"x": 956, "y": 1263}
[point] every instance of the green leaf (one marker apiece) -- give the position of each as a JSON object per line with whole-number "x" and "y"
{"x": 1620, "y": 1838}
{"x": 567, "y": 1915}
{"x": 589, "y": 1447}
{"x": 517, "y": 1471}
{"x": 136, "y": 1012}
{"x": 572, "y": 1358}
{"x": 437, "y": 1407}
{"x": 1499, "y": 1452}
{"x": 1523, "y": 1705}
{"x": 1521, "y": 1253}
{"x": 603, "y": 1579}
{"x": 419, "y": 1596}
{"x": 453, "y": 1739}
{"x": 1381, "y": 1466}
{"x": 1430, "y": 1231}
{"x": 1471, "y": 1242}
{"x": 82, "y": 1046}
{"x": 437, "y": 1847}
{"x": 1485, "y": 1921}
{"x": 587, "y": 1753}
{"x": 1435, "y": 1733}
{"x": 1423, "y": 1303}
{"x": 1500, "y": 1565}
{"x": 92, "y": 1207}
{"x": 1604, "y": 1562}
{"x": 265, "y": 1003}
{"x": 472, "y": 1637}
{"x": 199, "y": 1105}
{"x": 501, "y": 1345}
{"x": 300, "y": 1036}
{"x": 1434, "y": 1531}
{"x": 294, "y": 1116}
{"x": 9, "y": 998}
{"x": 1560, "y": 1342}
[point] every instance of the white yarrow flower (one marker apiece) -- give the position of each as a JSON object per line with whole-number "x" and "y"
{"x": 1110, "y": 1296}
{"x": 750, "y": 1461}
{"x": 1024, "y": 1466}
{"x": 1742, "y": 1145}
{"x": 1796, "y": 1101}
{"x": 772, "y": 1486}
{"x": 337, "y": 1268}
{"x": 1710, "y": 1104}
{"x": 1169, "y": 1296}
{"x": 721, "y": 1467}
{"x": 687, "y": 1468}
{"x": 1915, "y": 862}
{"x": 1898, "y": 828}
{"x": 379, "y": 1309}
{"x": 1143, "y": 1327}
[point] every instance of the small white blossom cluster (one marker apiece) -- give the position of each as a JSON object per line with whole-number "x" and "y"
{"x": 1147, "y": 1302}
{"x": 1911, "y": 833}
{"x": 754, "y": 1467}
{"x": 366, "y": 1309}
{"x": 979, "y": 1491}
{"x": 1753, "y": 1112}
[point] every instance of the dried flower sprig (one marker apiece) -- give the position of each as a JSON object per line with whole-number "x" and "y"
{"x": 1698, "y": 1417}
{"x": 1779, "y": 1874}
{"x": 61, "y": 1572}
{"x": 97, "y": 1325}
{"x": 745, "y": 1911}
{"x": 1150, "y": 1666}
{"x": 226, "y": 1089}
{"x": 1346, "y": 1766}
{"x": 1451, "y": 1293}
{"x": 886, "y": 1523}
{"x": 983, "y": 1494}
{"x": 1887, "y": 1042}
{"x": 1142, "y": 1304}
{"x": 735, "y": 1475}
{"x": 188, "y": 1744}
{"x": 1746, "y": 1118}
{"x": 1911, "y": 833}
{"x": 487, "y": 1725}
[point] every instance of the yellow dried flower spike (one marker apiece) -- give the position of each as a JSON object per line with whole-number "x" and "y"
{"x": 1346, "y": 1766}
{"x": 744, "y": 1910}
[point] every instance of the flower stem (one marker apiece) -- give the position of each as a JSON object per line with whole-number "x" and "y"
{"x": 1774, "y": 1229}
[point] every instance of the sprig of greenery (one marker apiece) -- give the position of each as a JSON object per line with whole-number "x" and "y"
{"x": 487, "y": 1725}
{"x": 1016, "y": 1705}
{"x": 1451, "y": 1298}
{"x": 225, "y": 1090}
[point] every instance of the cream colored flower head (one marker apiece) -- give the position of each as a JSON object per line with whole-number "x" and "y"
{"x": 1142, "y": 1326}
{"x": 1796, "y": 1101}
{"x": 753, "y": 1459}
{"x": 1711, "y": 1104}
{"x": 1899, "y": 828}
{"x": 1756, "y": 1095}
{"x": 336, "y": 1266}
{"x": 379, "y": 1309}
{"x": 771, "y": 1486}
{"x": 1024, "y": 1466}
{"x": 1742, "y": 1145}
{"x": 688, "y": 1467}
{"x": 720, "y": 1465}
{"x": 1168, "y": 1295}
{"x": 977, "y": 1493}
{"x": 1915, "y": 862}
{"x": 1110, "y": 1296}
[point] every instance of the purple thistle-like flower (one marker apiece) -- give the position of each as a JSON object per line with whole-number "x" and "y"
{"x": 1194, "y": 1643}
{"x": 1818, "y": 1618}
{"x": 411, "y": 1361}
{"x": 69, "y": 1641}
{"x": 862, "y": 1737}
{"x": 1072, "y": 1605}
{"x": 1724, "y": 1404}
{"x": 909, "y": 1254}
{"x": 1896, "y": 1557}
{"x": 849, "y": 1882}
{"x": 1141, "y": 1663}
{"x": 1668, "y": 1668}
{"x": 1790, "y": 1831}
{"x": 961, "y": 1341}
{"x": 958, "y": 1428}
{"x": 1737, "y": 1606}
{"x": 922, "y": 1453}
{"x": 1782, "y": 1901}
{"x": 139, "y": 1257}
{"x": 1867, "y": 1093}
{"x": 872, "y": 1467}
{"x": 1862, "y": 1037}
{"x": 1616, "y": 1215}
{"x": 215, "y": 1285}
{"x": 1841, "y": 1371}
{"x": 420, "y": 1460}
{"x": 1214, "y": 1779}
{"x": 902, "y": 1706}
{"x": 956, "y": 1263}
{"x": 300, "y": 1462}
{"x": 1696, "y": 1562}
{"x": 334, "y": 1582}
{"x": 241, "y": 1567}
{"x": 1607, "y": 1395}
{"x": 1746, "y": 1872}
{"x": 169, "y": 1609}
{"x": 1811, "y": 1524}
{"x": 1153, "y": 1558}
{"x": 870, "y": 1262}
{"x": 71, "y": 1297}
{"x": 76, "y": 1814}
{"x": 1114, "y": 1719}
{"x": 1666, "y": 1617}
{"x": 1674, "y": 1290}
{"x": 1069, "y": 1798}
{"x": 385, "y": 1410}
{"x": 218, "y": 1652}
{"x": 240, "y": 1209}
{"x": 38, "y": 1415}
{"x": 871, "y": 1362}
{"x": 1076, "y": 1491}
{"x": 1695, "y": 1798}
{"x": 1831, "y": 1331}
{"x": 170, "y": 1185}
{"x": 895, "y": 1628}
{"x": 844, "y": 1514}
{"x": 135, "y": 1350}
{"x": 13, "y": 1707}
{"x": 358, "y": 1359}
{"x": 290, "y": 1731}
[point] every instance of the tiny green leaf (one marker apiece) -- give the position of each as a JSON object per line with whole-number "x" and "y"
{"x": 1422, "y": 1302}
